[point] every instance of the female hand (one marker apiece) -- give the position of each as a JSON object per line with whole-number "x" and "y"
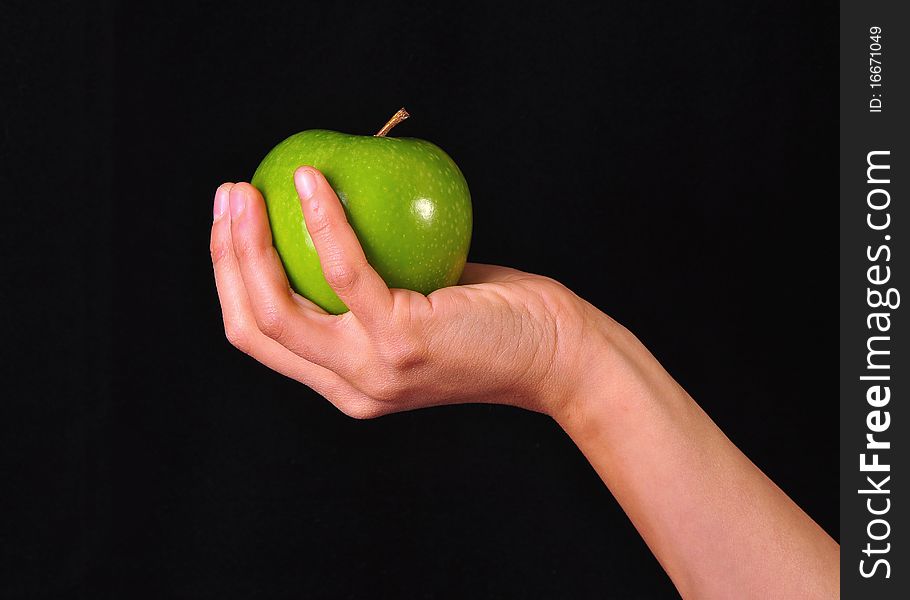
{"x": 717, "y": 524}
{"x": 502, "y": 336}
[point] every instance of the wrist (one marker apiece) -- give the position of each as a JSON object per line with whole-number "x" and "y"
{"x": 582, "y": 369}
{"x": 612, "y": 377}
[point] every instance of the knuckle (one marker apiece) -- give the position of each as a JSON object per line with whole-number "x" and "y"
{"x": 319, "y": 225}
{"x": 361, "y": 410}
{"x": 219, "y": 250}
{"x": 387, "y": 389}
{"x": 245, "y": 249}
{"x": 270, "y": 321}
{"x": 404, "y": 353}
{"x": 237, "y": 337}
{"x": 341, "y": 275}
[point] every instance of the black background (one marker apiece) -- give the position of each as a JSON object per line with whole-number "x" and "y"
{"x": 675, "y": 164}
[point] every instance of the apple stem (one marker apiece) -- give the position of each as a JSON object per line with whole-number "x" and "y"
{"x": 397, "y": 118}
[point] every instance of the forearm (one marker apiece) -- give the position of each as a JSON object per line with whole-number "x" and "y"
{"x": 716, "y": 523}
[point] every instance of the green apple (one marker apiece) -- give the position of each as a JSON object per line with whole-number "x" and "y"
{"x": 406, "y": 200}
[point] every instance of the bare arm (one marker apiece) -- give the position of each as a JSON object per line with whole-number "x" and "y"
{"x": 719, "y": 527}
{"x": 717, "y": 524}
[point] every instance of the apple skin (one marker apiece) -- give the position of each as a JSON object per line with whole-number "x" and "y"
{"x": 406, "y": 200}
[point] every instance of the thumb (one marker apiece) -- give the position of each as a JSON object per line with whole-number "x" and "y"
{"x": 344, "y": 264}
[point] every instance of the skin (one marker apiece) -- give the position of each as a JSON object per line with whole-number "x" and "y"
{"x": 405, "y": 197}
{"x": 719, "y": 527}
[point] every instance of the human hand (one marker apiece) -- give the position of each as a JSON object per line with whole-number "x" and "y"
{"x": 508, "y": 337}
{"x": 502, "y": 336}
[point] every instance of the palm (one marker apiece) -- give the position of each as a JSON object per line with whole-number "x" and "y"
{"x": 492, "y": 338}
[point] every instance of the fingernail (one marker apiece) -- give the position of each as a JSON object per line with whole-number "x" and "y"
{"x": 306, "y": 183}
{"x": 238, "y": 201}
{"x": 221, "y": 201}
